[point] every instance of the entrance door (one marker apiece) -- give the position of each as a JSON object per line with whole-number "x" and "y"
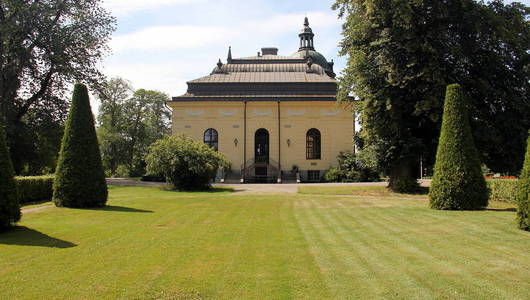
{"x": 261, "y": 151}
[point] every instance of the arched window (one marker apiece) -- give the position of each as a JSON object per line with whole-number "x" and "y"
{"x": 211, "y": 138}
{"x": 312, "y": 144}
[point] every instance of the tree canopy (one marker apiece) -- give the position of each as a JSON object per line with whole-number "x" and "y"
{"x": 128, "y": 123}
{"x": 45, "y": 47}
{"x": 403, "y": 53}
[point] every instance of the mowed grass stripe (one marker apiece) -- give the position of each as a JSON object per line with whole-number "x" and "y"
{"x": 381, "y": 261}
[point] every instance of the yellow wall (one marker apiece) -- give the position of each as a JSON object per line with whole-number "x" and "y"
{"x": 334, "y": 122}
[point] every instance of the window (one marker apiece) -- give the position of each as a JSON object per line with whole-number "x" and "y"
{"x": 312, "y": 144}
{"x": 313, "y": 175}
{"x": 211, "y": 138}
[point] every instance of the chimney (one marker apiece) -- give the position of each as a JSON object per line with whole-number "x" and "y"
{"x": 269, "y": 51}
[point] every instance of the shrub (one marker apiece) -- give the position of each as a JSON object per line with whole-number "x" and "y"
{"x": 334, "y": 175}
{"x": 9, "y": 206}
{"x": 523, "y": 192}
{"x": 34, "y": 188}
{"x": 79, "y": 179}
{"x": 502, "y": 189}
{"x": 457, "y": 183}
{"x": 185, "y": 163}
{"x": 352, "y": 168}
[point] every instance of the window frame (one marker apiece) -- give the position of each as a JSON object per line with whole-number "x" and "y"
{"x": 313, "y": 144}
{"x": 211, "y": 138}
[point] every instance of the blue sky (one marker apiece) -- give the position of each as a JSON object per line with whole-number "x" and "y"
{"x": 161, "y": 44}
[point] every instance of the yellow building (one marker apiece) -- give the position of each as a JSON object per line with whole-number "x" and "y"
{"x": 276, "y": 118}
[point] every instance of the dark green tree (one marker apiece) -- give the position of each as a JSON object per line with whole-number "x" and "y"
{"x": 9, "y": 207}
{"x": 401, "y": 56}
{"x": 523, "y": 192}
{"x": 458, "y": 183}
{"x": 79, "y": 179}
{"x": 45, "y": 46}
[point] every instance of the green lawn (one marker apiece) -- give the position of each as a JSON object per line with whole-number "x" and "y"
{"x": 155, "y": 244}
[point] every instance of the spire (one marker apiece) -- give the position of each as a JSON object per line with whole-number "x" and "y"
{"x": 229, "y": 59}
{"x": 306, "y": 37}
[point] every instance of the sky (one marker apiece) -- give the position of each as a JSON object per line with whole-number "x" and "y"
{"x": 162, "y": 44}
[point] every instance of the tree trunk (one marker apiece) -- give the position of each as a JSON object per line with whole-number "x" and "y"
{"x": 403, "y": 178}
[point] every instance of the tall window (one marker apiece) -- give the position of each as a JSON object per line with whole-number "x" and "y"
{"x": 312, "y": 144}
{"x": 211, "y": 138}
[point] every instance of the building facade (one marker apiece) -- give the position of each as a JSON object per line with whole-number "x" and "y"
{"x": 276, "y": 118}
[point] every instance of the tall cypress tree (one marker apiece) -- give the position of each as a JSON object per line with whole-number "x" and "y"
{"x": 523, "y": 193}
{"x": 458, "y": 183}
{"x": 79, "y": 179}
{"x": 9, "y": 207}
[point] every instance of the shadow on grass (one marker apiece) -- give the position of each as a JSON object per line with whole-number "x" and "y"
{"x": 210, "y": 190}
{"x": 501, "y": 209}
{"x": 24, "y": 236}
{"x": 120, "y": 209}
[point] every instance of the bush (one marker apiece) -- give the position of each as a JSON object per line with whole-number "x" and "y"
{"x": 523, "y": 192}
{"x": 9, "y": 206}
{"x": 79, "y": 179}
{"x": 457, "y": 183}
{"x": 352, "y": 168}
{"x": 34, "y": 188}
{"x": 185, "y": 163}
{"x": 502, "y": 189}
{"x": 334, "y": 175}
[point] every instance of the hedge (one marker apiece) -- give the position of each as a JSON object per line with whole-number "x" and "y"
{"x": 34, "y": 188}
{"x": 502, "y": 189}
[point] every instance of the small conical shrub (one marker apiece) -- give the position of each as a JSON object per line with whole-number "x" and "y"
{"x": 458, "y": 183}
{"x": 9, "y": 207}
{"x": 79, "y": 178}
{"x": 523, "y": 192}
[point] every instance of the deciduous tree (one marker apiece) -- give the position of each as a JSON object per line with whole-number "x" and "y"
{"x": 45, "y": 46}
{"x": 403, "y": 53}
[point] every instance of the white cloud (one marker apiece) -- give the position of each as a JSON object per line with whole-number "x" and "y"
{"x": 168, "y": 37}
{"x": 124, "y": 7}
{"x": 180, "y": 37}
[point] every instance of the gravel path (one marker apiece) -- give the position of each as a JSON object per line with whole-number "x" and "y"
{"x": 253, "y": 188}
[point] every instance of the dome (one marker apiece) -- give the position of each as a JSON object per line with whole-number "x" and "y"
{"x": 317, "y": 58}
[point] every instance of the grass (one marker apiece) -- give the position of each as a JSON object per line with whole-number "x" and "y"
{"x": 155, "y": 244}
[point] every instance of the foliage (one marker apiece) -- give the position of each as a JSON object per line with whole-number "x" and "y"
{"x": 523, "y": 192}
{"x": 458, "y": 183}
{"x": 403, "y": 53}
{"x": 129, "y": 124}
{"x": 503, "y": 190}
{"x": 45, "y": 46}
{"x": 34, "y": 188}
{"x": 185, "y": 163}
{"x": 112, "y": 96}
{"x": 352, "y": 168}
{"x": 9, "y": 206}
{"x": 79, "y": 179}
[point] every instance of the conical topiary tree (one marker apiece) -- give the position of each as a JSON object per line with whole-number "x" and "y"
{"x": 523, "y": 192}
{"x": 79, "y": 178}
{"x": 458, "y": 183}
{"x": 9, "y": 207}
